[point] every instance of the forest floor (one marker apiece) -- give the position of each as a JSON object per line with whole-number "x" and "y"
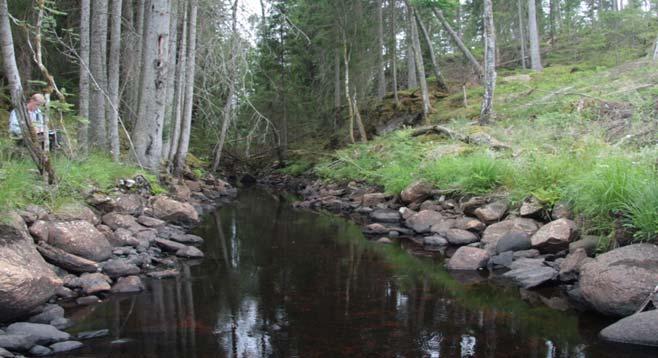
{"x": 582, "y": 135}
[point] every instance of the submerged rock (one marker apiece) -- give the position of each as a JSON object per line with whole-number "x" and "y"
{"x": 43, "y": 333}
{"x": 468, "y": 258}
{"x": 531, "y": 275}
{"x": 640, "y": 328}
{"x": 65, "y": 346}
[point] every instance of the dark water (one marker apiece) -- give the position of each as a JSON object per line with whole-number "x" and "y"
{"x": 286, "y": 283}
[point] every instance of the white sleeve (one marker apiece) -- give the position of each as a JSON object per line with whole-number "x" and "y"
{"x": 14, "y": 127}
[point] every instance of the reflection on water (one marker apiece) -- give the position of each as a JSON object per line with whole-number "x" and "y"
{"x": 285, "y": 283}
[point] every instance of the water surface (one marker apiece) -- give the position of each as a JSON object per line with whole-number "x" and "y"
{"x": 281, "y": 282}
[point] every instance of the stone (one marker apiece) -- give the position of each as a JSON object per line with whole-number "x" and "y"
{"x": 470, "y": 224}
{"x": 561, "y": 210}
{"x": 43, "y": 333}
{"x": 169, "y": 245}
{"x": 469, "y": 207}
{"x": 526, "y": 254}
{"x": 529, "y": 276}
{"x": 492, "y": 212}
{"x": 93, "y": 334}
{"x": 65, "y": 260}
{"x": 87, "y": 300}
{"x": 385, "y": 216}
{"x": 23, "y": 286}
{"x": 504, "y": 259}
{"x": 435, "y": 240}
{"x": 443, "y": 226}
{"x": 373, "y": 199}
{"x": 570, "y": 267}
{"x": 65, "y": 346}
{"x": 187, "y": 239}
{"x": 49, "y": 313}
{"x": 40, "y": 212}
{"x": 123, "y": 237}
{"x": 28, "y": 217}
{"x": 116, "y": 221}
{"x": 617, "y": 283}
{"x": 40, "y": 351}
{"x": 150, "y": 221}
{"x": 39, "y": 230}
{"x": 416, "y": 191}
{"x": 514, "y": 241}
{"x": 17, "y": 342}
{"x": 163, "y": 273}
{"x": 532, "y": 208}
{"x": 375, "y": 229}
{"x": 384, "y": 240}
{"x": 130, "y": 204}
{"x": 5, "y": 353}
{"x": 190, "y": 252}
{"x": 554, "y": 236}
{"x": 181, "y": 192}
{"x": 496, "y": 231}
{"x": 461, "y": 237}
{"x": 120, "y": 267}
{"x": 92, "y": 283}
{"x": 430, "y": 205}
{"x": 61, "y": 323}
{"x": 587, "y": 242}
{"x": 80, "y": 238}
{"x": 174, "y": 211}
{"x": 406, "y": 213}
{"x": 640, "y": 328}
{"x": 468, "y": 258}
{"x": 128, "y": 284}
{"x": 76, "y": 212}
{"x": 65, "y": 292}
{"x": 422, "y": 221}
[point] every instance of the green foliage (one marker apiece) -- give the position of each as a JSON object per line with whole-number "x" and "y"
{"x": 474, "y": 173}
{"x": 297, "y": 168}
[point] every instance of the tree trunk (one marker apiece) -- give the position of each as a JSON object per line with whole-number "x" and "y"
{"x": 336, "y": 87}
{"x": 179, "y": 95}
{"x": 393, "y": 51}
{"x": 460, "y": 44}
{"x": 83, "y": 104}
{"x": 412, "y": 80}
{"x": 381, "y": 76}
{"x": 350, "y": 106}
{"x": 136, "y": 63}
{"x": 535, "y": 56}
{"x": 487, "y": 111}
{"x": 39, "y": 157}
{"x": 170, "y": 111}
{"x": 153, "y": 89}
{"x": 186, "y": 120}
{"x": 98, "y": 67}
{"x": 359, "y": 121}
{"x": 420, "y": 66}
{"x": 113, "y": 72}
{"x": 440, "y": 81}
{"x": 521, "y": 34}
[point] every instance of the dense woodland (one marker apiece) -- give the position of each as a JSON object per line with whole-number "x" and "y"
{"x": 181, "y": 87}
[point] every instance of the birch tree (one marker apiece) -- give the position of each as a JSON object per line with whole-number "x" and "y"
{"x": 113, "y": 80}
{"x": 412, "y": 80}
{"x": 83, "y": 104}
{"x": 393, "y": 50}
{"x": 521, "y": 33}
{"x": 458, "y": 41}
{"x": 440, "y": 81}
{"x": 487, "y": 111}
{"x": 381, "y": 76}
{"x": 98, "y": 69}
{"x": 533, "y": 33}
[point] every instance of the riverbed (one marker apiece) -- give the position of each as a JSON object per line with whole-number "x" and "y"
{"x": 282, "y": 282}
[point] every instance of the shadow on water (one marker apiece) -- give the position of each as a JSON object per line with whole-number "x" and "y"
{"x": 288, "y": 283}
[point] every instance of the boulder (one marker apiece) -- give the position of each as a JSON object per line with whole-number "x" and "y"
{"x": 26, "y": 280}
{"x": 190, "y": 252}
{"x": 461, "y": 237}
{"x": 417, "y": 191}
{"x": 422, "y": 221}
{"x": 470, "y": 224}
{"x": 554, "y": 236}
{"x": 87, "y": 300}
{"x": 561, "y": 210}
{"x": 503, "y": 259}
{"x": 17, "y": 342}
{"x": 120, "y": 267}
{"x": 123, "y": 237}
{"x": 181, "y": 192}
{"x": 40, "y": 351}
{"x": 39, "y": 230}
{"x": 187, "y": 239}
{"x": 150, "y": 222}
{"x": 570, "y": 267}
{"x": 435, "y": 240}
{"x": 468, "y": 258}
{"x": 65, "y": 346}
{"x": 406, "y": 213}
{"x": 5, "y": 353}
{"x": 385, "y": 216}
{"x": 49, "y": 313}
{"x": 514, "y": 241}
{"x": 80, "y": 238}
{"x": 40, "y": 212}
{"x": 617, "y": 283}
{"x": 62, "y": 323}
{"x": 92, "y": 283}
{"x": 496, "y": 231}
{"x": 116, "y": 221}
{"x": 588, "y": 242}
{"x": 532, "y": 208}
{"x": 130, "y": 204}
{"x": 528, "y": 254}
{"x": 76, "y": 212}
{"x": 492, "y": 212}
{"x": 43, "y": 333}
{"x": 128, "y": 284}
{"x": 472, "y": 204}
{"x": 65, "y": 260}
{"x": 174, "y": 211}
{"x": 530, "y": 274}
{"x": 640, "y": 328}
{"x": 373, "y": 199}
{"x": 169, "y": 245}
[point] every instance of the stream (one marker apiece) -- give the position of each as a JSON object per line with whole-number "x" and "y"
{"x": 280, "y": 282}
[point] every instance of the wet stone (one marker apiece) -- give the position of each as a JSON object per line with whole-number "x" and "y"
{"x": 65, "y": 346}
{"x": 40, "y": 351}
{"x": 87, "y": 300}
{"x": 17, "y": 342}
{"x": 163, "y": 273}
{"x": 43, "y": 333}
{"x": 5, "y": 353}
{"x": 503, "y": 259}
{"x": 93, "y": 334}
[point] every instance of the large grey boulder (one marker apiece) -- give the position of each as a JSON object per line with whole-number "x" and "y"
{"x": 514, "y": 241}
{"x": 422, "y": 221}
{"x": 640, "y": 328}
{"x": 124, "y": 221}
{"x": 80, "y": 238}
{"x": 17, "y": 342}
{"x": 492, "y": 212}
{"x": 461, "y": 237}
{"x": 43, "y": 333}
{"x": 468, "y": 258}
{"x": 531, "y": 276}
{"x": 493, "y": 233}
{"x": 417, "y": 191}
{"x": 26, "y": 280}
{"x": 617, "y": 282}
{"x": 555, "y": 236}
{"x": 174, "y": 211}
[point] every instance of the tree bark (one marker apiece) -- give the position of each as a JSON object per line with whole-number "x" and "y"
{"x": 98, "y": 69}
{"x": 336, "y": 87}
{"x": 153, "y": 89}
{"x": 487, "y": 112}
{"x": 381, "y": 76}
{"x": 460, "y": 44}
{"x": 113, "y": 72}
{"x": 170, "y": 111}
{"x": 535, "y": 55}
{"x": 186, "y": 120}
{"x": 521, "y": 34}
{"x": 412, "y": 80}
{"x": 39, "y": 157}
{"x": 440, "y": 81}
{"x": 393, "y": 51}
{"x": 420, "y": 66}
{"x": 179, "y": 95}
{"x": 83, "y": 104}
{"x": 350, "y": 106}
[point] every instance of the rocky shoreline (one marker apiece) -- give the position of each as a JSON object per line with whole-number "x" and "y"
{"x": 530, "y": 245}
{"x": 80, "y": 254}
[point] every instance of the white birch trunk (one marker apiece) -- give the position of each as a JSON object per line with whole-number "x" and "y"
{"x": 170, "y": 112}
{"x": 521, "y": 34}
{"x": 440, "y": 81}
{"x": 381, "y": 76}
{"x": 535, "y": 56}
{"x": 83, "y": 104}
{"x": 487, "y": 111}
{"x": 457, "y": 39}
{"x": 113, "y": 80}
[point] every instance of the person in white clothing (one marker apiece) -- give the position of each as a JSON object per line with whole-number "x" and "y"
{"x": 36, "y": 101}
